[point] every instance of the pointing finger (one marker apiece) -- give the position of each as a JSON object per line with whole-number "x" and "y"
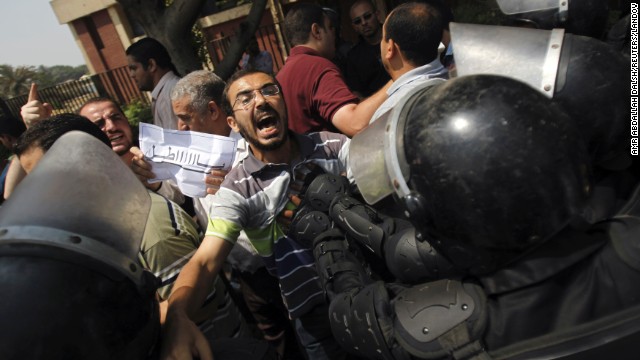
{"x": 33, "y": 92}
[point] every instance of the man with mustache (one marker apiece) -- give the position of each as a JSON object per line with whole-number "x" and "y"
{"x": 251, "y": 198}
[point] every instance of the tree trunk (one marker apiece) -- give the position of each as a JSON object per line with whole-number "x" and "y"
{"x": 171, "y": 25}
{"x": 247, "y": 29}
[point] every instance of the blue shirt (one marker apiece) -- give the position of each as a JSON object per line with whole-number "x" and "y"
{"x": 408, "y": 82}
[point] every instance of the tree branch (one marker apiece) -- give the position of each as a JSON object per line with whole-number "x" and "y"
{"x": 182, "y": 14}
{"x": 247, "y": 30}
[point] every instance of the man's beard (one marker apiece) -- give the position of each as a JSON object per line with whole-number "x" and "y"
{"x": 254, "y": 142}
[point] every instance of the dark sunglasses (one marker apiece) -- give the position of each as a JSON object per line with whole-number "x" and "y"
{"x": 360, "y": 19}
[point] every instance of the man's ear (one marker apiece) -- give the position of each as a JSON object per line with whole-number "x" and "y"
{"x": 231, "y": 121}
{"x": 152, "y": 65}
{"x": 315, "y": 31}
{"x": 213, "y": 109}
{"x": 390, "y": 51}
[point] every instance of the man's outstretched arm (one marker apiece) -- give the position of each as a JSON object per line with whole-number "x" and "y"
{"x": 352, "y": 118}
{"x": 181, "y": 337}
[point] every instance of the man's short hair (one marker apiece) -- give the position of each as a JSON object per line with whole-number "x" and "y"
{"x": 358, "y": 2}
{"x": 201, "y": 86}
{"x": 11, "y": 126}
{"x": 99, "y": 99}
{"x": 44, "y": 133}
{"x": 444, "y": 9}
{"x": 417, "y": 29}
{"x": 148, "y": 48}
{"x": 334, "y": 17}
{"x": 297, "y": 23}
{"x": 226, "y": 103}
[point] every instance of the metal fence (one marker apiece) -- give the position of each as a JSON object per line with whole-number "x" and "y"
{"x": 71, "y": 95}
{"x": 118, "y": 85}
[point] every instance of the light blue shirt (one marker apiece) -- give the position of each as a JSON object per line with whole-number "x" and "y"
{"x": 408, "y": 82}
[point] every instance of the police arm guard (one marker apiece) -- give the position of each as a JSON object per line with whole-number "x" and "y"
{"x": 409, "y": 258}
{"x": 326, "y": 202}
{"x": 352, "y": 294}
{"x": 434, "y": 320}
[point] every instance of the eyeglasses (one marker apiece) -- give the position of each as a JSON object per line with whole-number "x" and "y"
{"x": 247, "y": 98}
{"x": 360, "y": 19}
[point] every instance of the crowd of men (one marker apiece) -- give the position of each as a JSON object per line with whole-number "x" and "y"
{"x": 266, "y": 252}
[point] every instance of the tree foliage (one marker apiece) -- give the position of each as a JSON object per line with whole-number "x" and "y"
{"x": 15, "y": 81}
{"x": 136, "y": 112}
{"x": 49, "y": 76}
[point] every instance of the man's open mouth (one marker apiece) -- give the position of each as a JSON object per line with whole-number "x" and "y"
{"x": 267, "y": 122}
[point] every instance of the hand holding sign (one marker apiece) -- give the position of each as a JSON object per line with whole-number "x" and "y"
{"x": 35, "y": 110}
{"x": 142, "y": 168}
{"x": 213, "y": 180}
{"x": 197, "y": 162}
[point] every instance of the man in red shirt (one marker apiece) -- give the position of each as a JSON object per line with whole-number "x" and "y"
{"x": 314, "y": 90}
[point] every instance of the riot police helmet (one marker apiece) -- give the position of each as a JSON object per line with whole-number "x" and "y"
{"x": 586, "y": 77}
{"x": 70, "y": 235}
{"x": 486, "y": 167}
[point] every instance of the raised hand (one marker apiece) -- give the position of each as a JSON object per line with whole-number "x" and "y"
{"x": 35, "y": 110}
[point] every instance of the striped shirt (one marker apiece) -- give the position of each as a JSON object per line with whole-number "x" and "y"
{"x": 252, "y": 196}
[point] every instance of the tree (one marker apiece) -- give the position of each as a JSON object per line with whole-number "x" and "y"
{"x": 171, "y": 22}
{"x": 15, "y": 81}
{"x": 53, "y": 75}
{"x": 247, "y": 29}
